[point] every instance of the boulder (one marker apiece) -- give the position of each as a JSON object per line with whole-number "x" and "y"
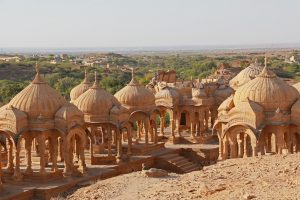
{"x": 153, "y": 172}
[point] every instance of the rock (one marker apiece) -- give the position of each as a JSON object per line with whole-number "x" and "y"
{"x": 248, "y": 196}
{"x": 285, "y": 152}
{"x": 153, "y": 172}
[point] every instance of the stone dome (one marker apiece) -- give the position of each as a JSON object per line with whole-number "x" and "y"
{"x": 166, "y": 92}
{"x": 222, "y": 92}
{"x": 246, "y": 75}
{"x": 135, "y": 95}
{"x": 38, "y": 99}
{"x": 96, "y": 101}
{"x": 269, "y": 91}
{"x": 80, "y": 89}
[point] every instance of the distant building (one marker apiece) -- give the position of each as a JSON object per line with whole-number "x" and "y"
{"x": 9, "y": 58}
{"x": 56, "y": 60}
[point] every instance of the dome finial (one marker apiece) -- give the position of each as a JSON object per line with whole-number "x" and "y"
{"x": 85, "y": 73}
{"x": 85, "y": 80}
{"x": 133, "y": 80}
{"x": 96, "y": 78}
{"x": 96, "y": 83}
{"x": 37, "y": 78}
{"x": 266, "y": 72}
{"x": 266, "y": 61}
{"x": 132, "y": 73}
{"x": 37, "y": 67}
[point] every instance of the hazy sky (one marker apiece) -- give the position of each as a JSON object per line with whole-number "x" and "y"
{"x": 123, "y": 23}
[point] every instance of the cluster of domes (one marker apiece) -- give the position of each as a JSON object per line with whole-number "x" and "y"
{"x": 246, "y": 75}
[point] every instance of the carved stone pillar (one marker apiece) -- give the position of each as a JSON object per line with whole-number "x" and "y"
{"x": 155, "y": 133}
{"x": 147, "y": 129}
{"x": 42, "y": 148}
{"x": 240, "y": 148}
{"x": 177, "y": 122}
{"x": 192, "y": 129}
{"x": 162, "y": 122}
{"x": 109, "y": 142}
{"x": 119, "y": 146}
{"x": 172, "y": 126}
{"x": 10, "y": 165}
{"x": 82, "y": 164}
{"x": 206, "y": 120}
{"x": 17, "y": 173}
{"x": 54, "y": 156}
{"x": 139, "y": 130}
{"x": 129, "y": 135}
{"x": 221, "y": 146}
{"x": 1, "y": 184}
{"x": 245, "y": 146}
{"x": 28, "y": 147}
{"x": 67, "y": 158}
{"x": 225, "y": 147}
{"x": 254, "y": 151}
{"x": 151, "y": 132}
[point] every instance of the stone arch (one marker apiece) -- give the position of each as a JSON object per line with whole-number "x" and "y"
{"x": 184, "y": 117}
{"x": 239, "y": 141}
{"x": 75, "y": 137}
{"x": 268, "y": 139}
{"x": 10, "y": 148}
{"x": 138, "y": 115}
{"x": 142, "y": 119}
{"x": 294, "y": 136}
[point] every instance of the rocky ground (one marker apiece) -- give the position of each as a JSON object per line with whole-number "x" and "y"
{"x": 266, "y": 177}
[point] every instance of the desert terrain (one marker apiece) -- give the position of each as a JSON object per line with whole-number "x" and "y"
{"x": 262, "y": 177}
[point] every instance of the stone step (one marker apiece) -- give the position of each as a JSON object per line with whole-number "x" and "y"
{"x": 176, "y": 159}
{"x": 190, "y": 168}
{"x": 184, "y": 164}
{"x": 180, "y": 162}
{"x": 169, "y": 156}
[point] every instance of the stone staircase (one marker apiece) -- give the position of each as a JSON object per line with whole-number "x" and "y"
{"x": 178, "y": 163}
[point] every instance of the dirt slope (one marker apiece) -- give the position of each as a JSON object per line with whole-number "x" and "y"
{"x": 267, "y": 177}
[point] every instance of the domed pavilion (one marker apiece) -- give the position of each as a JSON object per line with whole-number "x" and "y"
{"x": 101, "y": 116}
{"x": 246, "y": 75}
{"x": 39, "y": 123}
{"x": 139, "y": 104}
{"x": 261, "y": 117}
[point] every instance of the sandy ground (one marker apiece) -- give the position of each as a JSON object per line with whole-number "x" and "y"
{"x": 266, "y": 177}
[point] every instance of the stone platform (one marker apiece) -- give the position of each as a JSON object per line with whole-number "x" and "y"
{"x": 28, "y": 190}
{"x": 44, "y": 190}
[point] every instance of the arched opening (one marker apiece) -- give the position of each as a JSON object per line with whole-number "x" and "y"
{"x": 75, "y": 145}
{"x": 183, "y": 122}
{"x": 7, "y": 150}
{"x": 143, "y": 126}
{"x": 183, "y": 119}
{"x": 296, "y": 146}
{"x": 240, "y": 142}
{"x": 271, "y": 146}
